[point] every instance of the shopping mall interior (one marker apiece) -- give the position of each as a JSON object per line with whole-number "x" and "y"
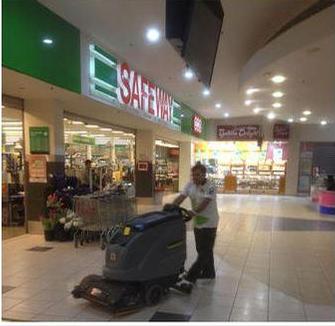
{"x": 107, "y": 106}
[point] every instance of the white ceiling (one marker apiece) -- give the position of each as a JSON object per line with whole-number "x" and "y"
{"x": 119, "y": 25}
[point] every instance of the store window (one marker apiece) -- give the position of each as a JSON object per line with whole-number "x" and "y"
{"x": 13, "y": 211}
{"x": 166, "y": 166}
{"x": 244, "y": 166}
{"x": 98, "y": 155}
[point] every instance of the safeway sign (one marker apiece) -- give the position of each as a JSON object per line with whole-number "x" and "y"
{"x": 139, "y": 93}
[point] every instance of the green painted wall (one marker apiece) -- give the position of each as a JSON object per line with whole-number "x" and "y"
{"x": 25, "y": 23}
{"x": 186, "y": 121}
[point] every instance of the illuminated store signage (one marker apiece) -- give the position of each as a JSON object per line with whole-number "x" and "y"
{"x": 242, "y": 132}
{"x": 139, "y": 93}
{"x": 281, "y": 131}
{"x": 196, "y": 124}
{"x": 116, "y": 83}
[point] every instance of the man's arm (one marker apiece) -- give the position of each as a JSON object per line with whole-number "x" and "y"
{"x": 201, "y": 206}
{"x": 179, "y": 200}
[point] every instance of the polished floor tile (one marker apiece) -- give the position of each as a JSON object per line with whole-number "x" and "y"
{"x": 274, "y": 258}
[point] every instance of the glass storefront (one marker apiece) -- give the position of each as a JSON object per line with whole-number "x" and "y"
{"x": 13, "y": 211}
{"x": 243, "y": 166}
{"x": 166, "y": 166}
{"x": 107, "y": 151}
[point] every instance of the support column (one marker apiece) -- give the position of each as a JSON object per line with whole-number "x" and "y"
{"x": 145, "y": 153}
{"x": 42, "y": 113}
{"x": 185, "y": 163}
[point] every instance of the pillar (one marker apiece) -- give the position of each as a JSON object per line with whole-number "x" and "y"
{"x": 185, "y": 163}
{"x": 145, "y": 155}
{"x": 42, "y": 113}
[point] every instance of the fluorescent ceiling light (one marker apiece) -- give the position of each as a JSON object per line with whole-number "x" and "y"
{"x": 48, "y": 41}
{"x": 303, "y": 119}
{"x": 72, "y": 132}
{"x": 153, "y": 35}
{"x": 307, "y": 112}
{"x": 278, "y": 94}
{"x": 106, "y": 129}
{"x": 271, "y": 115}
{"x": 77, "y": 122}
{"x": 290, "y": 120}
{"x": 247, "y": 102}
{"x": 188, "y": 74}
{"x": 12, "y": 123}
{"x": 206, "y": 92}
{"x": 277, "y": 105}
{"x": 323, "y": 122}
{"x": 99, "y": 135}
{"x": 278, "y": 79}
{"x": 251, "y": 91}
{"x": 12, "y": 128}
{"x": 218, "y": 105}
{"x": 91, "y": 126}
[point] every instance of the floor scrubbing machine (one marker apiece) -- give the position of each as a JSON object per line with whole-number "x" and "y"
{"x": 143, "y": 260}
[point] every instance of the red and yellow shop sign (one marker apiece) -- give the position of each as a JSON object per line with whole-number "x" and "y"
{"x": 141, "y": 94}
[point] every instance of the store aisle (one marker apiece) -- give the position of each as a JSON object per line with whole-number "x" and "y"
{"x": 274, "y": 258}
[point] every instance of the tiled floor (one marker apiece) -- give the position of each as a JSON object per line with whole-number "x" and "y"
{"x": 275, "y": 261}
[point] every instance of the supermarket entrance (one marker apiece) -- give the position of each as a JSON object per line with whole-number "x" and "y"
{"x": 244, "y": 166}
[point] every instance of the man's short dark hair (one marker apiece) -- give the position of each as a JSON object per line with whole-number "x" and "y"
{"x": 199, "y": 167}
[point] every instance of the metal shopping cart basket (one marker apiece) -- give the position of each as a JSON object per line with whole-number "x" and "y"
{"x": 98, "y": 216}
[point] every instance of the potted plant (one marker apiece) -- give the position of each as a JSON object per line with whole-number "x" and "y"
{"x": 48, "y": 226}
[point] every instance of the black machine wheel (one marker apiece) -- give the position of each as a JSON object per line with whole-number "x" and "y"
{"x": 76, "y": 292}
{"x": 153, "y": 294}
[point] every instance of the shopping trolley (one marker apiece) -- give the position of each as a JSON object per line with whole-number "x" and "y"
{"x": 100, "y": 216}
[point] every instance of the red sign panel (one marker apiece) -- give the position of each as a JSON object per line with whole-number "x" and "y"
{"x": 241, "y": 132}
{"x": 196, "y": 124}
{"x": 281, "y": 131}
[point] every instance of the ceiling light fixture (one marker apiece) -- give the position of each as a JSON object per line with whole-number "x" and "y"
{"x": 247, "y": 102}
{"x": 256, "y": 110}
{"x": 182, "y": 116}
{"x": 290, "y": 120}
{"x": 218, "y": 105}
{"x": 251, "y": 91}
{"x": 188, "y": 74}
{"x": 307, "y": 112}
{"x": 277, "y": 94}
{"x": 323, "y": 122}
{"x": 303, "y": 119}
{"x": 206, "y": 92}
{"x": 226, "y": 115}
{"x": 277, "y": 105}
{"x": 278, "y": 79}
{"x": 92, "y": 126}
{"x": 106, "y": 129}
{"x": 153, "y": 35}
{"x": 48, "y": 41}
{"x": 77, "y": 122}
{"x": 271, "y": 115}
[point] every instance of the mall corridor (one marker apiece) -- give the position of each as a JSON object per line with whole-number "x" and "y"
{"x": 274, "y": 257}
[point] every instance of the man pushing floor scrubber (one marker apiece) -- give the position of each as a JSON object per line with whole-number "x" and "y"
{"x": 146, "y": 257}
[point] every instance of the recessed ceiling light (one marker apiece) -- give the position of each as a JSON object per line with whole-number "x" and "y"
{"x": 182, "y": 116}
{"x": 226, "y": 115}
{"x": 303, "y": 119}
{"x": 307, "y": 112}
{"x": 278, "y": 79}
{"x": 65, "y": 119}
{"x": 218, "y": 105}
{"x": 77, "y": 123}
{"x": 256, "y": 110}
{"x": 278, "y": 94}
{"x": 290, "y": 120}
{"x": 247, "y": 102}
{"x": 277, "y": 105}
{"x": 153, "y": 35}
{"x": 106, "y": 129}
{"x": 48, "y": 41}
{"x": 188, "y": 74}
{"x": 251, "y": 91}
{"x": 91, "y": 126}
{"x": 206, "y": 92}
{"x": 323, "y": 122}
{"x": 271, "y": 115}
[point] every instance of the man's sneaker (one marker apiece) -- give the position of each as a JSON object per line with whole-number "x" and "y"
{"x": 184, "y": 286}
